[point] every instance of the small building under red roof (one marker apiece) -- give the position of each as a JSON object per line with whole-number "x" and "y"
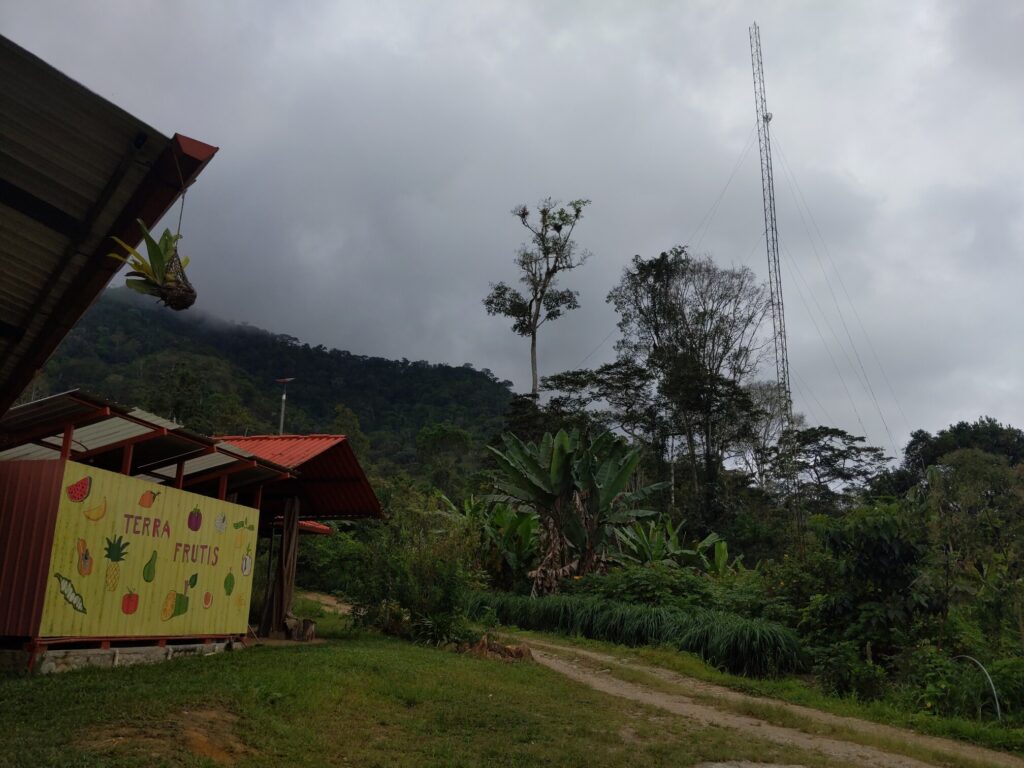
{"x": 326, "y": 483}
{"x": 329, "y": 480}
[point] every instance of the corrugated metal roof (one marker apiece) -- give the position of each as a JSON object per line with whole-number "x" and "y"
{"x": 310, "y": 526}
{"x": 288, "y": 450}
{"x": 331, "y": 483}
{"x": 35, "y": 431}
{"x": 74, "y": 170}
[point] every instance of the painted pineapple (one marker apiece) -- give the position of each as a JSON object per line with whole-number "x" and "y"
{"x": 117, "y": 549}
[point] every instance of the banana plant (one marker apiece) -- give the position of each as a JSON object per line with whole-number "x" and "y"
{"x": 652, "y": 542}
{"x": 161, "y": 272}
{"x": 578, "y": 487}
{"x": 508, "y": 535}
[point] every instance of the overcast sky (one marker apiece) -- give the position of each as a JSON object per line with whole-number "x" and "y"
{"x": 371, "y": 153}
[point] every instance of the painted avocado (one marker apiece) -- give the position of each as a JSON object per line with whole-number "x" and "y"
{"x": 149, "y": 570}
{"x": 229, "y": 583}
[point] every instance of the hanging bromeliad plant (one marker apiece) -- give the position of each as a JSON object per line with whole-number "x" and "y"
{"x": 161, "y": 272}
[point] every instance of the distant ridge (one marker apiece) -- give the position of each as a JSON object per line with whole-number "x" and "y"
{"x": 218, "y": 377}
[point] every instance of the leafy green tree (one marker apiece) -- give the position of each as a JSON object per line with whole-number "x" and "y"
{"x": 924, "y": 450}
{"x": 876, "y": 595}
{"x": 973, "y": 506}
{"x": 822, "y": 470}
{"x": 550, "y": 252}
{"x": 444, "y": 451}
{"x": 347, "y": 423}
{"x": 690, "y": 344}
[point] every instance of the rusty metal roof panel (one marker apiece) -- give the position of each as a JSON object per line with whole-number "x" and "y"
{"x": 331, "y": 481}
{"x": 288, "y": 450}
{"x": 29, "y": 495}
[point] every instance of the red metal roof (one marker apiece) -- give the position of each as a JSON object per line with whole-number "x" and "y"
{"x": 312, "y": 526}
{"x": 288, "y": 450}
{"x": 331, "y": 484}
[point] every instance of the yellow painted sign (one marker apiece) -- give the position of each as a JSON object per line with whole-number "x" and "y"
{"x": 131, "y": 558}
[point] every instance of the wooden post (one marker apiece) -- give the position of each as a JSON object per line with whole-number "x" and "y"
{"x": 126, "y": 459}
{"x": 65, "y": 443}
{"x": 222, "y": 487}
{"x": 179, "y": 475}
{"x": 279, "y": 598}
{"x": 288, "y": 560}
{"x": 269, "y": 592}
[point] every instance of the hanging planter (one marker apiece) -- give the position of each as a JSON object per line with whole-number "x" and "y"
{"x": 161, "y": 272}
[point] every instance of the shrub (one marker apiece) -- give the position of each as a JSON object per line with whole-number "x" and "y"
{"x": 327, "y": 563}
{"x": 413, "y": 578}
{"x": 745, "y": 646}
{"x": 1008, "y": 677}
{"x": 840, "y": 671}
{"x": 939, "y": 683}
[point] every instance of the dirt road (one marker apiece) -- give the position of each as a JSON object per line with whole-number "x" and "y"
{"x": 846, "y": 739}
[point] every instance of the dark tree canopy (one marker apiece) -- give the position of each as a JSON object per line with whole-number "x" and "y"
{"x": 690, "y": 345}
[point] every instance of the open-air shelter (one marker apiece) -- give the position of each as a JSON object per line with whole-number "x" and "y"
{"x": 327, "y": 484}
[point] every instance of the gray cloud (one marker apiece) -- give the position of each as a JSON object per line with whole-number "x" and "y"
{"x": 371, "y": 154}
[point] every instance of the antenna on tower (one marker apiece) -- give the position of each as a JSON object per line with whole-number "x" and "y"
{"x": 764, "y": 118}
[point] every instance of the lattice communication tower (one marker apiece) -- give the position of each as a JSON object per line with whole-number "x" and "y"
{"x": 764, "y": 117}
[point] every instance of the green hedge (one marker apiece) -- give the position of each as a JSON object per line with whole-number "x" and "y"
{"x": 752, "y": 647}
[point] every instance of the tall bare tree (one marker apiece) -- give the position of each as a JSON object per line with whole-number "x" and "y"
{"x": 696, "y": 325}
{"x": 549, "y": 252}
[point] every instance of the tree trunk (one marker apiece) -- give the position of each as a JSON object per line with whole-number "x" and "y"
{"x": 672, "y": 475}
{"x": 535, "y": 391}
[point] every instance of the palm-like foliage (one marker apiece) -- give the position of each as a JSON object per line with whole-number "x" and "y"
{"x": 508, "y": 535}
{"x": 578, "y": 488}
{"x": 653, "y": 542}
{"x": 161, "y": 272}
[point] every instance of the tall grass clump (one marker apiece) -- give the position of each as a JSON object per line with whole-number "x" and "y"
{"x": 752, "y": 647}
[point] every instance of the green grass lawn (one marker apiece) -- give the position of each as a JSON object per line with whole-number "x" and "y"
{"x": 363, "y": 700}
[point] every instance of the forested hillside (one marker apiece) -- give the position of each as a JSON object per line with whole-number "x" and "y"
{"x": 218, "y": 378}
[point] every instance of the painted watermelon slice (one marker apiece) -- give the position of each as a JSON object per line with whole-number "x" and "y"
{"x": 80, "y": 491}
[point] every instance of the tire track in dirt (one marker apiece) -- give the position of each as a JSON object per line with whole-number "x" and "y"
{"x": 551, "y": 655}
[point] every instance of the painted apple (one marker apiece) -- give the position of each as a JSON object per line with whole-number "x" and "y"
{"x": 247, "y": 562}
{"x": 207, "y": 600}
{"x": 195, "y": 519}
{"x": 130, "y": 602}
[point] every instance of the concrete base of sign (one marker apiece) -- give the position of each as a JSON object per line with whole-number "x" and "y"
{"x": 64, "y": 659}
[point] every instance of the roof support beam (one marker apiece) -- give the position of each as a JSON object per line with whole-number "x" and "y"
{"x": 231, "y": 469}
{"x": 10, "y": 331}
{"x": 126, "y": 443}
{"x": 40, "y": 211}
{"x": 181, "y": 458}
{"x": 51, "y": 430}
